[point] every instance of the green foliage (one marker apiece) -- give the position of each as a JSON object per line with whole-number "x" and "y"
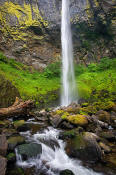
{"x": 79, "y": 69}
{"x": 53, "y": 70}
{"x": 98, "y": 81}
{"x": 92, "y": 67}
{"x": 31, "y": 85}
{"x": 106, "y": 63}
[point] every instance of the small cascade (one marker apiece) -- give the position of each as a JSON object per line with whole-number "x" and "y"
{"x": 53, "y": 158}
{"x": 69, "y": 94}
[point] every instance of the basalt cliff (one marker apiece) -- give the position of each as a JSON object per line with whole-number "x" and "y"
{"x": 30, "y": 30}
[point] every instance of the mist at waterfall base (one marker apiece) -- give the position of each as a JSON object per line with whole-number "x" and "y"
{"x": 53, "y": 158}
{"x": 69, "y": 93}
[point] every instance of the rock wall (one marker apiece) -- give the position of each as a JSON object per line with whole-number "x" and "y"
{"x": 30, "y": 30}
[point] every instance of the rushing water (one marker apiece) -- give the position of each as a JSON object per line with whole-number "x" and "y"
{"x": 53, "y": 158}
{"x": 68, "y": 78}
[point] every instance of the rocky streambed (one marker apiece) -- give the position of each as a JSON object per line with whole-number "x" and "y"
{"x": 59, "y": 142}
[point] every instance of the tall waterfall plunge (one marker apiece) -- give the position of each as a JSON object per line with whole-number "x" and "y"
{"x": 68, "y": 77}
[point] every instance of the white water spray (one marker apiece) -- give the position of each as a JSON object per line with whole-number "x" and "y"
{"x": 68, "y": 78}
{"x": 51, "y": 161}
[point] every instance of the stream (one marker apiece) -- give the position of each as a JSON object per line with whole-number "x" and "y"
{"x": 53, "y": 158}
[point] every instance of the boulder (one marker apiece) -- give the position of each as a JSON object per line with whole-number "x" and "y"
{"x": 20, "y": 125}
{"x": 85, "y": 147}
{"x": 3, "y": 145}
{"x": 4, "y": 123}
{"x": 66, "y": 172}
{"x": 13, "y": 141}
{"x": 79, "y": 120}
{"x": 29, "y": 150}
{"x": 103, "y": 116}
{"x": 51, "y": 143}
{"x": 3, "y": 164}
{"x": 56, "y": 121}
{"x": 9, "y": 132}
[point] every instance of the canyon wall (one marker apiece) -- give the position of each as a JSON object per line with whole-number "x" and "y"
{"x": 30, "y": 30}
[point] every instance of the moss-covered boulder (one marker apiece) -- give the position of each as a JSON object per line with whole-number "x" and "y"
{"x": 13, "y": 141}
{"x": 85, "y": 147}
{"x": 29, "y": 150}
{"x": 8, "y": 92}
{"x": 79, "y": 120}
{"x": 20, "y": 125}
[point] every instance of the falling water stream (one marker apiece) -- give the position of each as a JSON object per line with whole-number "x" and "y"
{"x": 53, "y": 158}
{"x": 68, "y": 78}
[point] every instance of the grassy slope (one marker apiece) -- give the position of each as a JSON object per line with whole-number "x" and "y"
{"x": 97, "y": 82}
{"x": 30, "y": 85}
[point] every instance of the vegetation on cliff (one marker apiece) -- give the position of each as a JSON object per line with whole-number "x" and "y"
{"x": 30, "y": 83}
{"x": 96, "y": 83}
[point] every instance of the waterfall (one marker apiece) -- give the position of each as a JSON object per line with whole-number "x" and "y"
{"x": 68, "y": 78}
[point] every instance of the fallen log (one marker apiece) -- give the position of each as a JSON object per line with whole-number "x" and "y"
{"x": 19, "y": 107}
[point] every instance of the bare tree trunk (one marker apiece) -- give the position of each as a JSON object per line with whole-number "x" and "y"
{"x": 19, "y": 107}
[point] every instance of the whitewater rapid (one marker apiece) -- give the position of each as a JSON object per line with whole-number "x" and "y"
{"x": 52, "y": 160}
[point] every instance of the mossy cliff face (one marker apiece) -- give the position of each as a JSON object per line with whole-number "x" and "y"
{"x": 30, "y": 30}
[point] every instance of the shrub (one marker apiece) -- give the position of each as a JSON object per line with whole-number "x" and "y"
{"x": 92, "y": 67}
{"x": 53, "y": 70}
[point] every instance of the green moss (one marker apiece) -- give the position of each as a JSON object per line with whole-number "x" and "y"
{"x": 31, "y": 85}
{"x": 78, "y": 119}
{"x": 10, "y": 156}
{"x": 15, "y": 139}
{"x": 65, "y": 115}
{"x": 24, "y": 19}
{"x": 18, "y": 123}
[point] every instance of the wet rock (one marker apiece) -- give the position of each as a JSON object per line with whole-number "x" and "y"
{"x": 109, "y": 135}
{"x": 20, "y": 125}
{"x": 13, "y": 141}
{"x": 105, "y": 148}
{"x": 103, "y": 116}
{"x": 51, "y": 143}
{"x": 85, "y": 147}
{"x": 71, "y": 133}
{"x": 3, "y": 145}
{"x": 113, "y": 116}
{"x": 66, "y": 125}
{"x": 66, "y": 172}
{"x": 29, "y": 150}
{"x": 3, "y": 164}
{"x": 4, "y": 123}
{"x": 56, "y": 121}
{"x": 9, "y": 132}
